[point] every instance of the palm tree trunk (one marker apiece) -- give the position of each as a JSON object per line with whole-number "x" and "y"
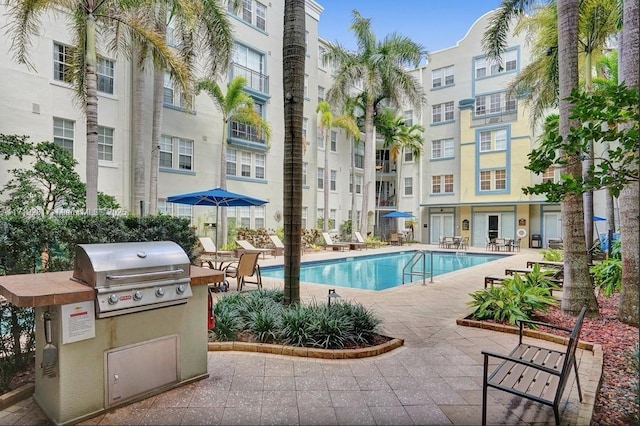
{"x": 577, "y": 291}
{"x": 368, "y": 190}
{"x": 92, "y": 116}
{"x": 293, "y": 55}
{"x": 222, "y": 220}
{"x": 156, "y": 134}
{"x": 138, "y": 141}
{"x": 629, "y": 197}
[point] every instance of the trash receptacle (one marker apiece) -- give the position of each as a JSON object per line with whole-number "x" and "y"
{"x": 536, "y": 241}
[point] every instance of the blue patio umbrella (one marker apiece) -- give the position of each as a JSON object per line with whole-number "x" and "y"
{"x": 216, "y": 197}
{"x": 397, "y": 213}
{"x": 598, "y": 219}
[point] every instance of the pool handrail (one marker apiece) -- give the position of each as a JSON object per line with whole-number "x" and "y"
{"x": 417, "y": 255}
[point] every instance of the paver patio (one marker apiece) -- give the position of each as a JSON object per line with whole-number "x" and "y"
{"x": 435, "y": 378}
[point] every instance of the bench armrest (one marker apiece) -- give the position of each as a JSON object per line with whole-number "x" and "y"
{"x": 546, "y": 324}
{"x": 488, "y": 354}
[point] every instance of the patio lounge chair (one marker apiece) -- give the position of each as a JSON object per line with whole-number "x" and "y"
{"x": 367, "y": 244}
{"x": 277, "y": 243}
{"x": 209, "y": 250}
{"x": 246, "y": 245}
{"x": 328, "y": 242}
{"x": 244, "y": 268}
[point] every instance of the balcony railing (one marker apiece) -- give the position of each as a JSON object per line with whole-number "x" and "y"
{"x": 245, "y": 132}
{"x": 255, "y": 80}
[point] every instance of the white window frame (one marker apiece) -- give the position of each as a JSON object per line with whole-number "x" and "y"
{"x": 358, "y": 184}
{"x": 105, "y": 72}
{"x": 333, "y": 180}
{"x": 500, "y": 139}
{"x": 436, "y": 113}
{"x": 442, "y": 77}
{"x": 261, "y": 16}
{"x": 493, "y": 180}
{"x": 259, "y": 166}
{"x": 448, "y": 111}
{"x": 320, "y": 139}
{"x": 63, "y": 133}
{"x": 105, "y": 143}
{"x": 320, "y": 180}
{"x": 436, "y": 186}
{"x": 358, "y": 156}
{"x": 305, "y": 167}
{"x": 62, "y": 62}
{"x": 484, "y": 141}
{"x": 408, "y": 186}
{"x": 306, "y": 86}
{"x": 305, "y": 214}
{"x": 332, "y": 219}
{"x": 245, "y": 216}
{"x": 245, "y": 164}
{"x": 258, "y": 217}
{"x": 232, "y": 162}
{"x": 442, "y": 148}
{"x": 320, "y": 93}
{"x": 333, "y": 139}
{"x": 549, "y": 175}
{"x": 181, "y": 154}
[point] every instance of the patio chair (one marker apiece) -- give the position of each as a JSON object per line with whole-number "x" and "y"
{"x": 328, "y": 242}
{"x": 277, "y": 243}
{"x": 491, "y": 244}
{"x": 367, "y": 244}
{"x": 246, "y": 245}
{"x": 394, "y": 239}
{"x": 209, "y": 250}
{"x": 245, "y": 268}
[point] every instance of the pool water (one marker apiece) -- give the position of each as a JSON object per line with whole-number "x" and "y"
{"x": 377, "y": 272}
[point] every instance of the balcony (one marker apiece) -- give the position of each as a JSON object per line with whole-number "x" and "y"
{"x": 255, "y": 80}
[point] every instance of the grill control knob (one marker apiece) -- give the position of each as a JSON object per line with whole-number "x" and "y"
{"x": 137, "y": 295}
{"x": 159, "y": 291}
{"x": 181, "y": 288}
{"x": 113, "y": 299}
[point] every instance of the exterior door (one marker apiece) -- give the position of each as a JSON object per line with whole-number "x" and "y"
{"x": 493, "y": 226}
{"x": 551, "y": 227}
{"x": 441, "y": 226}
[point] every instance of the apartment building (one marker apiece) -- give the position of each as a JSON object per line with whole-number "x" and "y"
{"x": 468, "y": 181}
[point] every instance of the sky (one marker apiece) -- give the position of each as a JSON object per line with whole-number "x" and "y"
{"x": 434, "y": 24}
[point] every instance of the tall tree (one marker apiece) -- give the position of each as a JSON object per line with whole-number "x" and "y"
{"x": 577, "y": 291}
{"x": 85, "y": 17}
{"x": 629, "y": 198}
{"x": 235, "y": 105}
{"x": 293, "y": 61}
{"x": 379, "y": 67}
{"x": 327, "y": 122}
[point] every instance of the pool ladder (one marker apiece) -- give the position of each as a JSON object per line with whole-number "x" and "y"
{"x": 419, "y": 258}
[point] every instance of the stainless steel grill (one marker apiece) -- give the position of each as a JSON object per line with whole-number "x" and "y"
{"x": 133, "y": 277}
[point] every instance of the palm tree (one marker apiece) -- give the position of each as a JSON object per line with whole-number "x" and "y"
{"x": 327, "y": 122}
{"x": 293, "y": 60}
{"x": 381, "y": 68}
{"x": 236, "y": 105}
{"x": 629, "y": 198}
{"x": 577, "y": 291}
{"x": 86, "y": 16}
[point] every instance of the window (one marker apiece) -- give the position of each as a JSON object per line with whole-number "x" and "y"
{"x": 184, "y": 153}
{"x": 321, "y": 52}
{"x": 305, "y": 213}
{"x": 247, "y": 15}
{"x": 493, "y": 140}
{"x": 105, "y": 72}
{"x": 549, "y": 175}
{"x": 320, "y": 218}
{"x": 442, "y": 148}
{"x": 61, "y": 62}
{"x": 408, "y": 186}
{"x": 320, "y": 138}
{"x": 231, "y": 162}
{"x": 184, "y": 211}
{"x": 332, "y": 219}
{"x": 258, "y": 216}
{"x": 173, "y": 95}
{"x": 305, "y": 124}
{"x": 491, "y": 180}
{"x": 105, "y": 143}
{"x": 250, "y": 64}
{"x": 245, "y": 217}
{"x": 63, "y": 133}
{"x": 164, "y": 207}
{"x": 333, "y": 180}
{"x": 320, "y": 178}
{"x": 442, "y": 184}
{"x": 509, "y": 61}
{"x": 305, "y": 166}
{"x": 245, "y": 164}
{"x": 437, "y": 111}
{"x": 408, "y": 117}
{"x": 334, "y": 141}
{"x": 247, "y": 132}
{"x": 408, "y": 157}
{"x": 499, "y": 103}
{"x": 252, "y": 164}
{"x": 320, "y": 93}
{"x": 260, "y": 167}
{"x": 306, "y": 86}
{"x": 358, "y": 184}
{"x": 442, "y": 77}
{"x": 350, "y": 183}
{"x": 359, "y": 155}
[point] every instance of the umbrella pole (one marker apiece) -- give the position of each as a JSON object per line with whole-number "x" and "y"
{"x": 217, "y": 212}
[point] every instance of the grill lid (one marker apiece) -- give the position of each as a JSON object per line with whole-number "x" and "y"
{"x": 142, "y": 261}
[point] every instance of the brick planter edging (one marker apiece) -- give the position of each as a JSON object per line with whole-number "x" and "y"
{"x": 16, "y": 395}
{"x": 468, "y": 322}
{"x": 307, "y": 352}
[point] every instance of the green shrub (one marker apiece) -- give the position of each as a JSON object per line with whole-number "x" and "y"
{"x": 539, "y": 277}
{"x": 553, "y": 255}
{"x": 262, "y": 314}
{"x": 510, "y": 302}
{"x": 607, "y": 275}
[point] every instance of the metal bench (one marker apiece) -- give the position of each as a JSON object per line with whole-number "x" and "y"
{"x": 534, "y": 372}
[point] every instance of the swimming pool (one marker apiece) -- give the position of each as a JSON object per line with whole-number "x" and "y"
{"x": 377, "y": 272}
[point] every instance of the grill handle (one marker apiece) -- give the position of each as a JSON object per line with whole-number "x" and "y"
{"x": 146, "y": 275}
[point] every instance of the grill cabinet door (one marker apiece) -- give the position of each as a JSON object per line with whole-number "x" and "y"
{"x": 135, "y": 370}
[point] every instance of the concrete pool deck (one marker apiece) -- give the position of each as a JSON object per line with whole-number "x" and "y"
{"x": 435, "y": 378}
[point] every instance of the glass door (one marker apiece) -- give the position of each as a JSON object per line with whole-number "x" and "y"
{"x": 493, "y": 226}
{"x": 441, "y": 226}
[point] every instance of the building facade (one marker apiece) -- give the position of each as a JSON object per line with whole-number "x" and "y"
{"x": 468, "y": 181}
